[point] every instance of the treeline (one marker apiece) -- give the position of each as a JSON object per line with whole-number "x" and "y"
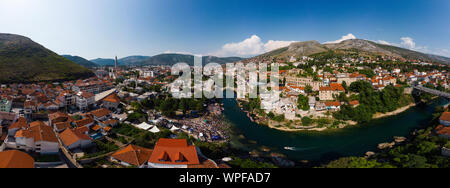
{"x": 373, "y": 101}
{"x": 168, "y": 105}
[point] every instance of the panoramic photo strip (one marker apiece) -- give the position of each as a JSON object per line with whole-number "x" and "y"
{"x": 224, "y": 86}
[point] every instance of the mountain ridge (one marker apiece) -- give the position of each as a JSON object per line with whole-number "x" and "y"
{"x": 23, "y": 60}
{"x": 308, "y": 48}
{"x": 163, "y": 59}
{"x": 80, "y": 61}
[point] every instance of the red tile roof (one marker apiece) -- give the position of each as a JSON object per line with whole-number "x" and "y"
{"x": 354, "y": 103}
{"x": 112, "y": 98}
{"x": 334, "y": 103}
{"x": 445, "y": 116}
{"x": 69, "y": 136}
{"x": 39, "y": 132}
{"x": 442, "y": 130}
{"x": 86, "y": 95}
{"x": 62, "y": 125}
{"x": 21, "y": 123}
{"x": 15, "y": 159}
{"x": 174, "y": 152}
{"x": 100, "y": 112}
{"x": 84, "y": 122}
{"x": 333, "y": 87}
{"x": 133, "y": 155}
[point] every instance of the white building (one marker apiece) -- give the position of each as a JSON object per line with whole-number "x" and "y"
{"x": 76, "y": 139}
{"x": 84, "y": 100}
{"x": 39, "y": 138}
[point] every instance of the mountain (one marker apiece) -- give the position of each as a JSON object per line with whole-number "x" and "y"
{"x": 103, "y": 62}
{"x": 172, "y": 59}
{"x": 164, "y": 59}
{"x": 22, "y": 60}
{"x": 361, "y": 46}
{"x": 298, "y": 49}
{"x": 132, "y": 60}
{"x": 80, "y": 61}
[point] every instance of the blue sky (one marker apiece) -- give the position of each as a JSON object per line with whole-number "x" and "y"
{"x": 105, "y": 28}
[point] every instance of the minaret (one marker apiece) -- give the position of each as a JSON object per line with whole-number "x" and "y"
{"x": 115, "y": 67}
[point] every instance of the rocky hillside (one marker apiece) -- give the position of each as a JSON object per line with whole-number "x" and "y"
{"x": 313, "y": 47}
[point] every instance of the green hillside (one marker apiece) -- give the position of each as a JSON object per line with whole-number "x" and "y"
{"x": 22, "y": 60}
{"x": 80, "y": 61}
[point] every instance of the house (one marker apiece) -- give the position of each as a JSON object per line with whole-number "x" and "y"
{"x": 320, "y": 106}
{"x": 15, "y": 159}
{"x": 132, "y": 156}
{"x": 61, "y": 126}
{"x": 84, "y": 100}
{"x": 66, "y": 99}
{"x": 389, "y": 81}
{"x": 335, "y": 105}
{"x": 5, "y": 105}
{"x": 111, "y": 102}
{"x": 39, "y": 138}
{"x": 328, "y": 93}
{"x": 7, "y": 118}
{"x": 86, "y": 122}
{"x": 445, "y": 119}
{"x": 312, "y": 102}
{"x": 443, "y": 131}
{"x": 92, "y": 86}
{"x": 76, "y": 138}
{"x": 51, "y": 106}
{"x": 30, "y": 107}
{"x": 173, "y": 153}
{"x": 20, "y": 124}
{"x": 101, "y": 114}
{"x": 58, "y": 117}
{"x": 111, "y": 123}
{"x": 354, "y": 103}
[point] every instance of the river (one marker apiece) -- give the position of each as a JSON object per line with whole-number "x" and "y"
{"x": 327, "y": 145}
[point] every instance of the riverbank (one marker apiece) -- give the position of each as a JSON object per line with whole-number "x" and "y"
{"x": 393, "y": 113}
{"x": 324, "y": 146}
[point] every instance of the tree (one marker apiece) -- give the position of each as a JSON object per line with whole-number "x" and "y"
{"x": 303, "y": 103}
{"x": 344, "y": 85}
{"x": 356, "y": 162}
{"x": 306, "y": 121}
{"x": 308, "y": 89}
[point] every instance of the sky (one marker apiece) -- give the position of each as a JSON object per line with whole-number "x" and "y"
{"x": 106, "y": 28}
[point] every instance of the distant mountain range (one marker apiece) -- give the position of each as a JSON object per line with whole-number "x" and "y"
{"x": 80, "y": 61}
{"x": 309, "y": 48}
{"x": 163, "y": 59}
{"x": 22, "y": 60}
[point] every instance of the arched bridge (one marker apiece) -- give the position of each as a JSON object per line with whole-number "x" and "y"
{"x": 432, "y": 91}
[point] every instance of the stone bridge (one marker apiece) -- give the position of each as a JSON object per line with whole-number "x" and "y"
{"x": 432, "y": 91}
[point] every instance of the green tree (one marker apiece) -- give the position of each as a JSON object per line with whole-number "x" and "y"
{"x": 303, "y": 103}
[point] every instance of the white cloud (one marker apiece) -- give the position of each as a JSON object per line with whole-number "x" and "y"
{"x": 343, "y": 38}
{"x": 384, "y": 42}
{"x": 273, "y": 45}
{"x": 408, "y": 42}
{"x": 250, "y": 46}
